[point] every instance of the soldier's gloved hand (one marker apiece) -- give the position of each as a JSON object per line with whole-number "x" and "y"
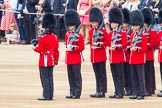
{"x": 98, "y": 44}
{"x": 128, "y": 48}
{"x": 134, "y": 49}
{"x": 118, "y": 46}
{"x": 56, "y": 63}
{"x": 113, "y": 47}
{"x": 94, "y": 44}
{"x": 73, "y": 48}
{"x": 34, "y": 42}
{"x": 69, "y": 47}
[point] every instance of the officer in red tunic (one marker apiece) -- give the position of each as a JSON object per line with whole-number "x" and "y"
{"x": 98, "y": 36}
{"x": 151, "y": 44}
{"x": 127, "y": 74}
{"x": 74, "y": 47}
{"x": 159, "y": 41}
{"x": 47, "y": 47}
{"x": 137, "y": 57}
{"x": 117, "y": 43}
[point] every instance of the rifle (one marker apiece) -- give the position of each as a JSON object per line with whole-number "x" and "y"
{"x": 148, "y": 30}
{"x": 128, "y": 33}
{"x": 96, "y": 35}
{"x": 115, "y": 37}
{"x": 73, "y": 36}
{"x": 137, "y": 39}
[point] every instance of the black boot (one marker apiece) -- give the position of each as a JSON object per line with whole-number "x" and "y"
{"x": 100, "y": 95}
{"x": 159, "y": 95}
{"x": 94, "y": 95}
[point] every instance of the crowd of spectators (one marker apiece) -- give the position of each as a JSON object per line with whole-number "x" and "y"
{"x": 27, "y": 14}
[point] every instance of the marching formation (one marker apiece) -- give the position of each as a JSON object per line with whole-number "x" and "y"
{"x": 131, "y": 44}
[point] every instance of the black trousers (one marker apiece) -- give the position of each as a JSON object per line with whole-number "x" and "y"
{"x": 138, "y": 79}
{"x": 118, "y": 78}
{"x": 75, "y": 79}
{"x": 46, "y": 76}
{"x": 29, "y": 28}
{"x": 150, "y": 76}
{"x": 101, "y": 77}
{"x": 127, "y": 77}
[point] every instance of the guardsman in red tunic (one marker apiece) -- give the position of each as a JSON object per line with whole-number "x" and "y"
{"x": 117, "y": 43}
{"x": 47, "y": 46}
{"x": 74, "y": 47}
{"x": 127, "y": 73}
{"x": 159, "y": 41}
{"x": 137, "y": 57}
{"x": 151, "y": 44}
{"x": 98, "y": 36}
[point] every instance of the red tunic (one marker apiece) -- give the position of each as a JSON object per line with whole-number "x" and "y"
{"x": 74, "y": 57}
{"x": 138, "y": 57}
{"x": 151, "y": 44}
{"x": 48, "y": 48}
{"x": 98, "y": 54}
{"x": 127, "y": 51}
{"x": 159, "y": 41}
{"x": 117, "y": 55}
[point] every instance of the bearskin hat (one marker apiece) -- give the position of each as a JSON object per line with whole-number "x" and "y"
{"x": 148, "y": 16}
{"x": 116, "y": 15}
{"x": 160, "y": 16}
{"x": 95, "y": 14}
{"x": 136, "y": 18}
{"x": 49, "y": 21}
{"x": 126, "y": 14}
{"x": 72, "y": 18}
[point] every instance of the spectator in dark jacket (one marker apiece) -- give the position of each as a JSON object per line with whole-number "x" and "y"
{"x": 43, "y": 6}
{"x": 28, "y": 6}
{"x": 72, "y": 4}
{"x": 144, "y": 3}
{"x": 19, "y": 21}
{"x": 58, "y": 8}
{"x": 155, "y": 6}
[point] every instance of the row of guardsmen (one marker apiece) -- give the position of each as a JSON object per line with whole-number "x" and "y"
{"x": 131, "y": 45}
